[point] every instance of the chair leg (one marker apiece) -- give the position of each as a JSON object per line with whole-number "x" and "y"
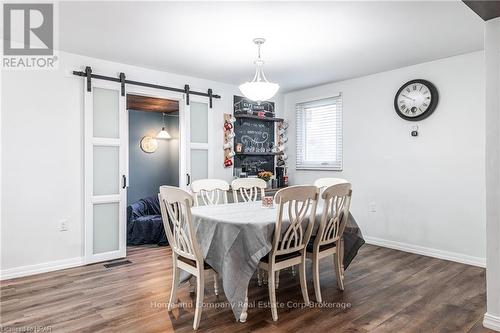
{"x": 175, "y": 285}
{"x": 216, "y": 284}
{"x": 341, "y": 254}
{"x": 303, "y": 281}
{"x": 337, "y": 262}
{"x": 192, "y": 286}
{"x": 277, "y": 279}
{"x": 259, "y": 278}
{"x": 272, "y": 294}
{"x": 315, "y": 271}
{"x": 200, "y": 290}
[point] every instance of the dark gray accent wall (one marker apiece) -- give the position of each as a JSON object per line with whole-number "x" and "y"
{"x": 149, "y": 171}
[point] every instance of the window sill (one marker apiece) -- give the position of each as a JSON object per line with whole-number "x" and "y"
{"x": 319, "y": 169}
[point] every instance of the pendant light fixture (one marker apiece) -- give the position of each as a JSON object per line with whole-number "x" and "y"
{"x": 259, "y": 89}
{"x": 163, "y": 134}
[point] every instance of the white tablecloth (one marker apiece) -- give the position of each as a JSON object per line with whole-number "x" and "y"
{"x": 234, "y": 237}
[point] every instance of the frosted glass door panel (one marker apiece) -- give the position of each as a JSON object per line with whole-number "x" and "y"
{"x": 105, "y": 159}
{"x": 199, "y": 162}
{"x": 106, "y": 170}
{"x": 106, "y": 227}
{"x": 199, "y": 122}
{"x": 106, "y": 113}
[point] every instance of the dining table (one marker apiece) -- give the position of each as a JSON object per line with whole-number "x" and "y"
{"x": 234, "y": 237}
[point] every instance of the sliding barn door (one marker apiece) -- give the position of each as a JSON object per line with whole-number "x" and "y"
{"x": 105, "y": 172}
{"x": 198, "y": 135}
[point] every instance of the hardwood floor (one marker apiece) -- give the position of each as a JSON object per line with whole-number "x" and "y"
{"x": 386, "y": 291}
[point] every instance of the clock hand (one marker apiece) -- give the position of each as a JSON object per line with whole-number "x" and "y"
{"x": 408, "y": 97}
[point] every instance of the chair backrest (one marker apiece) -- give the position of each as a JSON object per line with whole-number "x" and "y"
{"x": 248, "y": 188}
{"x": 298, "y": 205}
{"x": 321, "y": 183}
{"x": 210, "y": 191}
{"x": 175, "y": 205}
{"x": 337, "y": 201}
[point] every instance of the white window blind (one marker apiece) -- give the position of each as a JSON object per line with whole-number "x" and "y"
{"x": 319, "y": 134}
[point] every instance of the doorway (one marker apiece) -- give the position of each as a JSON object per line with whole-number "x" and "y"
{"x": 153, "y": 159}
{"x": 153, "y": 145}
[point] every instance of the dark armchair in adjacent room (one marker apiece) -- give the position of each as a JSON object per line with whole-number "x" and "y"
{"x": 144, "y": 223}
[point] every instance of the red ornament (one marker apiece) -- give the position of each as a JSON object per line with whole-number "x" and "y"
{"x": 228, "y": 126}
{"x": 228, "y": 162}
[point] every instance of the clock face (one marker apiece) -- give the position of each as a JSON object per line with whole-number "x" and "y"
{"x": 416, "y": 100}
{"x": 149, "y": 144}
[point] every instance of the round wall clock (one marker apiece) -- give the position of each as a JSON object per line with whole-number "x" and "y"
{"x": 149, "y": 144}
{"x": 416, "y": 100}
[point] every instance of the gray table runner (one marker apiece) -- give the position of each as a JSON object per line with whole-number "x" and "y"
{"x": 234, "y": 237}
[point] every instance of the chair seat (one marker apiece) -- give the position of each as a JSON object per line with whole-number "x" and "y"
{"x": 193, "y": 263}
{"x": 310, "y": 246}
{"x": 281, "y": 257}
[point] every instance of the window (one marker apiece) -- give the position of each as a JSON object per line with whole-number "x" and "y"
{"x": 319, "y": 134}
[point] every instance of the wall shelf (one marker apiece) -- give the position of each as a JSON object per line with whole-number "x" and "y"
{"x": 260, "y": 154}
{"x": 250, "y": 116}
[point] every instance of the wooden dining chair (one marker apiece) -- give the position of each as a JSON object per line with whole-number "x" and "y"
{"x": 176, "y": 206}
{"x": 210, "y": 191}
{"x": 328, "y": 239}
{"x": 323, "y": 183}
{"x": 248, "y": 189}
{"x": 296, "y": 215}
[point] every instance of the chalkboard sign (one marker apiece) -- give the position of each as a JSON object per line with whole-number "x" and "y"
{"x": 254, "y": 136}
{"x": 253, "y": 164}
{"x": 245, "y": 106}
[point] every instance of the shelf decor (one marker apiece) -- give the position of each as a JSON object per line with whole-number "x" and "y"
{"x": 249, "y": 116}
{"x": 265, "y": 175}
{"x": 228, "y": 140}
{"x": 281, "y": 140}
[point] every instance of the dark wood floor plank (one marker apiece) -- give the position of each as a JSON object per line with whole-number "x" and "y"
{"x": 386, "y": 291}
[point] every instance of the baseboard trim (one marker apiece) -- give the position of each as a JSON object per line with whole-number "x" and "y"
{"x": 40, "y": 268}
{"x": 429, "y": 252}
{"x": 491, "y": 322}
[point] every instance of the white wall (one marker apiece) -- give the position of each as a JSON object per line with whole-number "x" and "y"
{"x": 42, "y": 158}
{"x": 492, "y": 61}
{"x": 429, "y": 191}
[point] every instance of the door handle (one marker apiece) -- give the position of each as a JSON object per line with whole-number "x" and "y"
{"x": 188, "y": 179}
{"x": 124, "y": 184}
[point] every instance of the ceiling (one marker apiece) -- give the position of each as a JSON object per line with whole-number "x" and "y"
{"x": 307, "y": 43}
{"x": 486, "y": 9}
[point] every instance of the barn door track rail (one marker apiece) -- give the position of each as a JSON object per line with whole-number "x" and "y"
{"x": 122, "y": 80}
